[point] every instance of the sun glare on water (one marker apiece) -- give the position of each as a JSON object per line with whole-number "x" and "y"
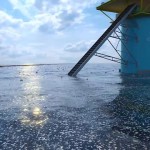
{"x": 36, "y": 111}
{"x": 32, "y": 114}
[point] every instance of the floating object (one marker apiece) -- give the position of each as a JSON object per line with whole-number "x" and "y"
{"x": 134, "y": 18}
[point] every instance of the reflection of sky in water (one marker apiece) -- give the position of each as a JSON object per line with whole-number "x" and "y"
{"x": 31, "y": 114}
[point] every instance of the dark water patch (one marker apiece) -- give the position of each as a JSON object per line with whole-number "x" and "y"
{"x": 131, "y": 109}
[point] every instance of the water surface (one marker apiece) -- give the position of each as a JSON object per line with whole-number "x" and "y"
{"x": 44, "y": 109}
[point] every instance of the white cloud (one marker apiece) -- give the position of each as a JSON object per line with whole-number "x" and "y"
{"x": 7, "y": 20}
{"x": 81, "y": 46}
{"x": 45, "y": 35}
{"x": 24, "y": 6}
{"x": 52, "y": 14}
{"x": 78, "y": 49}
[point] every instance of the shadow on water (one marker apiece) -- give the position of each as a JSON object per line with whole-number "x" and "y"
{"x": 131, "y": 108}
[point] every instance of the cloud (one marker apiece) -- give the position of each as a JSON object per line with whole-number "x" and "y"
{"x": 47, "y": 27}
{"x": 7, "y": 20}
{"x": 52, "y": 15}
{"x": 24, "y": 6}
{"x": 62, "y": 13}
{"x": 81, "y": 46}
{"x": 44, "y": 5}
{"x": 47, "y": 16}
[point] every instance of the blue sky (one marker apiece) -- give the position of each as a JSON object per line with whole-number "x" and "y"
{"x": 49, "y": 31}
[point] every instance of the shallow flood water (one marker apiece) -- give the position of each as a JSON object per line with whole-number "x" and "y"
{"x": 41, "y": 108}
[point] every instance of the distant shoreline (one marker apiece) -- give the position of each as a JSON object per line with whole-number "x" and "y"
{"x": 26, "y": 65}
{"x": 1, "y": 66}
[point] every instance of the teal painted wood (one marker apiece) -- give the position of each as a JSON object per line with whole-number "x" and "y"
{"x": 138, "y": 44}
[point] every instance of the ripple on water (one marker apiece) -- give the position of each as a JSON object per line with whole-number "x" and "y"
{"x": 49, "y": 110}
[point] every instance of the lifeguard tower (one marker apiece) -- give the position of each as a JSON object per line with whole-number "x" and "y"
{"x": 134, "y": 18}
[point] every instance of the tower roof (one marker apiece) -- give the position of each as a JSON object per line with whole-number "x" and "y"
{"x": 119, "y": 5}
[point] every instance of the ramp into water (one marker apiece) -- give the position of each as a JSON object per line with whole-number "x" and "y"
{"x": 74, "y": 71}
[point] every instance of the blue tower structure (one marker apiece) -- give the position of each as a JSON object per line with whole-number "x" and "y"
{"x": 137, "y": 29}
{"x": 134, "y": 18}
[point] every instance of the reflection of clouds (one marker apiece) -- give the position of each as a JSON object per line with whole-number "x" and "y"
{"x": 32, "y": 114}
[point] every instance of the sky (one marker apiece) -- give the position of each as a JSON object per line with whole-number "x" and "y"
{"x": 49, "y": 31}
